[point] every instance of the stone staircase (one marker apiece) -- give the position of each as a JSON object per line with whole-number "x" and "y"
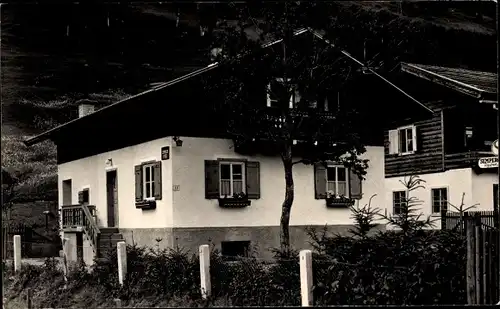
{"x": 108, "y": 239}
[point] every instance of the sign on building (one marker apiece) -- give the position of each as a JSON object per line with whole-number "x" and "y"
{"x": 488, "y": 162}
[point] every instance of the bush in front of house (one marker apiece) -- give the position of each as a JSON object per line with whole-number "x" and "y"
{"x": 409, "y": 266}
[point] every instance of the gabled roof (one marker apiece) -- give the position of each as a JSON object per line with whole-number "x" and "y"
{"x": 473, "y": 83}
{"x": 48, "y": 134}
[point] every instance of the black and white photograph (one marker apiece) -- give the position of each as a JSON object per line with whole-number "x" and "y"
{"x": 249, "y": 153}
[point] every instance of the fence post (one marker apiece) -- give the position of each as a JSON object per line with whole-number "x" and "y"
{"x": 443, "y": 219}
{"x": 471, "y": 282}
{"x": 17, "y": 253}
{"x": 477, "y": 256}
{"x": 306, "y": 277}
{"x": 206, "y": 286}
{"x": 121, "y": 251}
{"x": 66, "y": 250}
{"x": 29, "y": 296}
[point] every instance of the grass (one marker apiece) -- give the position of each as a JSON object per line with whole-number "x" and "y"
{"x": 33, "y": 169}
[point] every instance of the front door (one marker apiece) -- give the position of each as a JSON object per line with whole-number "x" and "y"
{"x": 112, "y": 198}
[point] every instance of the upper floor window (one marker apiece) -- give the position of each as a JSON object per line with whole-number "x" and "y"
{"x": 399, "y": 201}
{"x": 276, "y": 91}
{"x": 439, "y": 200}
{"x": 403, "y": 140}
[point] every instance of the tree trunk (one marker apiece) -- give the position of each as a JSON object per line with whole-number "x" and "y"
{"x": 287, "y": 203}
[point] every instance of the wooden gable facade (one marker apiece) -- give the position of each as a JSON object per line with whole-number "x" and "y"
{"x": 456, "y": 135}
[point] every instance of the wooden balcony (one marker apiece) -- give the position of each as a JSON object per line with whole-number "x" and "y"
{"x": 81, "y": 218}
{"x": 73, "y": 216}
{"x": 464, "y": 159}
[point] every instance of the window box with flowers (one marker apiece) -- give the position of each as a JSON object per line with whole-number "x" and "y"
{"x": 340, "y": 201}
{"x": 236, "y": 201}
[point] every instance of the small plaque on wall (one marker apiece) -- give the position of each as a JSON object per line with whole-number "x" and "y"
{"x": 165, "y": 153}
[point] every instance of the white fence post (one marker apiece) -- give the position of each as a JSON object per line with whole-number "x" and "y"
{"x": 306, "y": 278}
{"x": 122, "y": 261}
{"x": 17, "y": 253}
{"x": 206, "y": 287}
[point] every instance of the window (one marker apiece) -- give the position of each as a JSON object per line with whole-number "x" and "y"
{"x": 84, "y": 196}
{"x": 225, "y": 177}
{"x": 439, "y": 200}
{"x": 337, "y": 180}
{"x": 66, "y": 192}
{"x": 403, "y": 140}
{"x": 399, "y": 201}
{"x": 148, "y": 181}
{"x": 235, "y": 248}
{"x": 232, "y": 180}
{"x": 276, "y": 90}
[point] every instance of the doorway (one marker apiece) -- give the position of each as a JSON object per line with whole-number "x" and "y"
{"x": 112, "y": 198}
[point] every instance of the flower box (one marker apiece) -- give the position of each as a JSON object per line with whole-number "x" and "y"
{"x": 339, "y": 202}
{"x": 145, "y": 205}
{"x": 234, "y": 203}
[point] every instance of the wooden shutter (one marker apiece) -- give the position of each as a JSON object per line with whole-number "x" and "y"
{"x": 319, "y": 181}
{"x": 415, "y": 139}
{"x": 355, "y": 185}
{"x": 138, "y": 183}
{"x": 157, "y": 179}
{"x": 393, "y": 141}
{"x": 253, "y": 180}
{"x": 211, "y": 179}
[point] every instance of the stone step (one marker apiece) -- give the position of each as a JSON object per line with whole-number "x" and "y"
{"x": 110, "y": 237}
{"x": 109, "y": 230}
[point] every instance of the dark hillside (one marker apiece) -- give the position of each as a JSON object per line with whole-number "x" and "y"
{"x": 53, "y": 55}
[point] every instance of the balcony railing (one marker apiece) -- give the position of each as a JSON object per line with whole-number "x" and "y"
{"x": 465, "y": 159}
{"x": 82, "y": 216}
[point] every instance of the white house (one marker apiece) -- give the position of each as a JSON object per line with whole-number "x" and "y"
{"x": 159, "y": 168}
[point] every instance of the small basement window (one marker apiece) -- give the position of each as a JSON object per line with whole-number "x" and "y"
{"x": 235, "y": 248}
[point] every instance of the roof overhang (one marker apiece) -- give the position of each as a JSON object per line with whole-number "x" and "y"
{"x": 52, "y": 132}
{"x": 451, "y": 78}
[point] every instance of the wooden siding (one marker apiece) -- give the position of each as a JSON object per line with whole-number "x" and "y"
{"x": 429, "y": 155}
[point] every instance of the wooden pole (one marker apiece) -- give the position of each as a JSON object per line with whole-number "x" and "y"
{"x": 29, "y": 296}
{"x": 206, "y": 286}
{"x": 477, "y": 257}
{"x": 17, "y": 253}
{"x": 306, "y": 278}
{"x": 471, "y": 296}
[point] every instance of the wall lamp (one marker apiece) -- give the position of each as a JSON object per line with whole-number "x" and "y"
{"x": 178, "y": 141}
